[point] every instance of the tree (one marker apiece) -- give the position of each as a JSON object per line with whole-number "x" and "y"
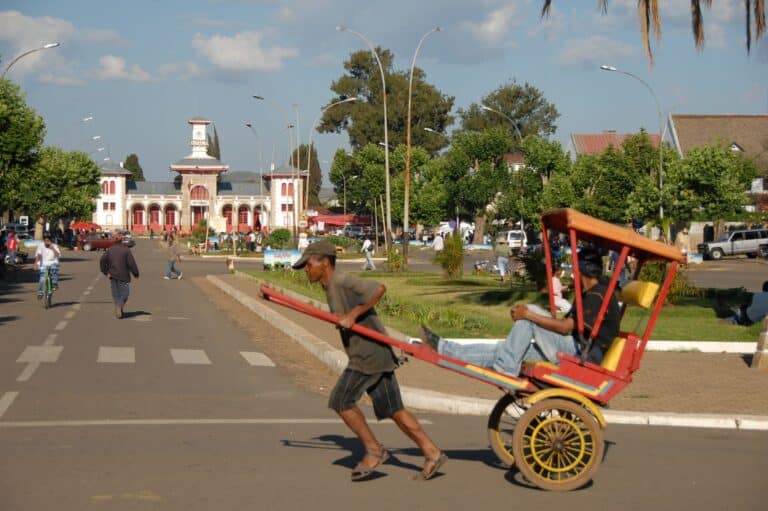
{"x": 213, "y": 144}
{"x": 21, "y": 136}
{"x": 651, "y": 19}
{"x": 525, "y": 105}
{"x": 364, "y": 120}
{"x": 315, "y": 173}
{"x": 63, "y": 185}
{"x": 132, "y": 165}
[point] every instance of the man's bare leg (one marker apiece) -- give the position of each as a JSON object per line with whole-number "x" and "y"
{"x": 355, "y": 420}
{"x": 411, "y": 426}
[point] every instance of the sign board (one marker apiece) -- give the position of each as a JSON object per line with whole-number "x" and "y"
{"x": 198, "y": 202}
{"x": 282, "y": 257}
{"x": 303, "y": 224}
{"x": 24, "y": 220}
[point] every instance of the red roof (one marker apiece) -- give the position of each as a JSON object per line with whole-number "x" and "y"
{"x": 342, "y": 219}
{"x": 514, "y": 158}
{"x": 596, "y": 143}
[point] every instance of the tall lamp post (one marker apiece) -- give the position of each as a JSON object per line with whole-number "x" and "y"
{"x": 47, "y": 46}
{"x": 614, "y": 69}
{"x": 407, "y": 201}
{"x": 311, "y": 132}
{"x": 287, "y": 122}
{"x": 388, "y": 230}
{"x": 261, "y": 155}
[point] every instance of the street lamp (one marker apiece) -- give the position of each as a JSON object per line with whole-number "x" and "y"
{"x": 43, "y": 47}
{"x": 613, "y": 69}
{"x": 261, "y": 155}
{"x": 511, "y": 121}
{"x": 407, "y": 201}
{"x": 287, "y": 122}
{"x": 311, "y": 132}
{"x": 388, "y": 230}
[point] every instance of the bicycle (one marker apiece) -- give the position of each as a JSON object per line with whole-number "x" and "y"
{"x": 47, "y": 289}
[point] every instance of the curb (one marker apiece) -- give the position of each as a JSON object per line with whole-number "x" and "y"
{"x": 432, "y": 401}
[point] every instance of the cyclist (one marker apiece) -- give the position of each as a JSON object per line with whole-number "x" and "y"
{"x": 47, "y": 257}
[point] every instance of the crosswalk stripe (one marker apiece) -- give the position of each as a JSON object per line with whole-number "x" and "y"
{"x": 184, "y": 356}
{"x": 40, "y": 354}
{"x": 255, "y": 358}
{"x": 116, "y": 355}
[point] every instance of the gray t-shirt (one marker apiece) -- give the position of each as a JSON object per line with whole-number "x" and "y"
{"x": 345, "y": 292}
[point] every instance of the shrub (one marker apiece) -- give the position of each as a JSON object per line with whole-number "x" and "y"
{"x": 535, "y": 267}
{"x": 394, "y": 260}
{"x": 200, "y": 232}
{"x": 278, "y": 238}
{"x": 349, "y": 244}
{"x": 451, "y": 258}
{"x": 680, "y": 288}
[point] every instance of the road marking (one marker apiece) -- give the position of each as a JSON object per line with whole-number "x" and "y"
{"x": 70, "y": 314}
{"x": 6, "y": 401}
{"x": 257, "y": 359}
{"x": 76, "y": 306}
{"x": 113, "y": 355}
{"x": 86, "y": 292}
{"x": 176, "y": 317}
{"x": 40, "y": 354}
{"x": 142, "y": 319}
{"x": 182, "y": 356}
{"x": 50, "y": 340}
{"x": 61, "y": 325}
{"x": 28, "y": 371}
{"x": 176, "y": 422}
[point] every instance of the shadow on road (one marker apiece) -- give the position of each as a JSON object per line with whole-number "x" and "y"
{"x": 134, "y": 314}
{"x": 8, "y": 319}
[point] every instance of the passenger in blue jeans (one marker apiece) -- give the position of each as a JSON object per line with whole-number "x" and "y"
{"x": 47, "y": 256}
{"x": 536, "y": 335}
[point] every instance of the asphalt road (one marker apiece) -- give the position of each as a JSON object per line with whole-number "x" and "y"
{"x": 163, "y": 410}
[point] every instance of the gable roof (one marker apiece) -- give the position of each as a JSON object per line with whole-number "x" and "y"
{"x": 749, "y": 132}
{"x": 154, "y": 187}
{"x": 596, "y": 143}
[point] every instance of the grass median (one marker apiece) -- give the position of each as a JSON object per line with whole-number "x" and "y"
{"x": 478, "y": 307}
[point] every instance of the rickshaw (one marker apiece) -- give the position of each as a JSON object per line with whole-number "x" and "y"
{"x": 548, "y": 423}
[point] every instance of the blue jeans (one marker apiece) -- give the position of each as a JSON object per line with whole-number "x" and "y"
{"x": 171, "y": 272}
{"x": 503, "y": 263}
{"x": 54, "y": 279}
{"x": 368, "y": 265}
{"x": 525, "y": 341}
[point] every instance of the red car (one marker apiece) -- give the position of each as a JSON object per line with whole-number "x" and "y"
{"x": 102, "y": 241}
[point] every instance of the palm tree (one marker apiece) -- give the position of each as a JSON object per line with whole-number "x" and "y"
{"x": 650, "y": 19}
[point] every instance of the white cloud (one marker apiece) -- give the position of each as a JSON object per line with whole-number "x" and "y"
{"x": 243, "y": 52}
{"x": 591, "y": 52}
{"x": 115, "y": 68}
{"x": 495, "y": 27}
{"x": 180, "y": 70}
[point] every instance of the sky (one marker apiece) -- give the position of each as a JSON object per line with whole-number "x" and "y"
{"x": 141, "y": 69}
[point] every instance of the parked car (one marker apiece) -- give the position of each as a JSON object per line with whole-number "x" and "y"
{"x": 516, "y": 239}
{"x": 750, "y": 242}
{"x": 21, "y": 230}
{"x": 102, "y": 241}
{"x": 354, "y": 231}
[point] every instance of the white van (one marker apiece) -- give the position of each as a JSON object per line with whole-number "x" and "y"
{"x": 516, "y": 239}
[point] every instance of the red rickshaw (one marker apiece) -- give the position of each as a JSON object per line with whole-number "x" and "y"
{"x": 548, "y": 423}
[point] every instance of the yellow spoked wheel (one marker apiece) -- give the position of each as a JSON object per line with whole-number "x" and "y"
{"x": 501, "y": 426}
{"x": 557, "y": 445}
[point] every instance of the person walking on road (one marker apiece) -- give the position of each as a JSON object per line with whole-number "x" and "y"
{"x": 174, "y": 256}
{"x": 368, "y": 251}
{"x": 118, "y": 265}
{"x": 371, "y": 366}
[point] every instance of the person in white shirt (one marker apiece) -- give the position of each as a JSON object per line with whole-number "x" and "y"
{"x": 754, "y": 312}
{"x": 47, "y": 257}
{"x": 368, "y": 251}
{"x": 561, "y": 303}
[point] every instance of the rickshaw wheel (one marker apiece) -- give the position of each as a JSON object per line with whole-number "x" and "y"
{"x": 501, "y": 425}
{"x": 558, "y": 445}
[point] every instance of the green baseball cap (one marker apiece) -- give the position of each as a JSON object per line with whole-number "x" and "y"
{"x": 319, "y": 248}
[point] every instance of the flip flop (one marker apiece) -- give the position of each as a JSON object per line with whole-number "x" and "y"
{"x": 427, "y": 474}
{"x": 362, "y": 471}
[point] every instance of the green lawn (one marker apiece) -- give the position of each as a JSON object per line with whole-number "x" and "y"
{"x": 478, "y": 306}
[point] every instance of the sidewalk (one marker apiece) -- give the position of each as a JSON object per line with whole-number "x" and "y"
{"x": 709, "y": 389}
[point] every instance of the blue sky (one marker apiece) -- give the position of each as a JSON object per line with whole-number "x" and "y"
{"x": 142, "y": 68}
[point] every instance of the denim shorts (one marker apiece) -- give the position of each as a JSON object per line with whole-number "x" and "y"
{"x": 382, "y": 388}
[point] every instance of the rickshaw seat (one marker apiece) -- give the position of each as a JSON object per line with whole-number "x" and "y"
{"x": 613, "y": 355}
{"x": 639, "y": 293}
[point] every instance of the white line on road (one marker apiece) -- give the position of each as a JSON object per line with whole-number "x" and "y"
{"x": 176, "y": 317}
{"x": 76, "y": 306}
{"x": 6, "y": 401}
{"x": 40, "y": 354}
{"x": 70, "y": 314}
{"x": 61, "y": 325}
{"x": 182, "y": 356}
{"x": 255, "y": 358}
{"x": 28, "y": 371}
{"x": 50, "y": 340}
{"x": 113, "y": 355}
{"x": 176, "y": 422}
{"x": 86, "y": 292}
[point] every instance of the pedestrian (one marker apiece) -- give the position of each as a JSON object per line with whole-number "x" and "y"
{"x": 11, "y": 246}
{"x": 371, "y": 366}
{"x": 439, "y": 244}
{"x": 561, "y": 303}
{"x": 118, "y": 265}
{"x": 501, "y": 249}
{"x": 367, "y": 249}
{"x": 174, "y": 256}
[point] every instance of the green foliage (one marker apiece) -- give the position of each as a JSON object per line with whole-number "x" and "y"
{"x": 535, "y": 267}
{"x": 63, "y": 184}
{"x": 278, "y": 238}
{"x": 451, "y": 258}
{"x": 429, "y": 204}
{"x": 200, "y": 232}
{"x": 680, "y": 288}
{"x": 21, "y": 137}
{"x": 134, "y": 167}
{"x": 363, "y": 120}
{"x": 348, "y": 244}
{"x": 438, "y": 317}
{"x": 300, "y": 156}
{"x": 524, "y": 104}
{"x": 213, "y": 144}
{"x": 395, "y": 260}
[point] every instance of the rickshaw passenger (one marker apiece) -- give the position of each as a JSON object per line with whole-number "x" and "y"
{"x": 550, "y": 335}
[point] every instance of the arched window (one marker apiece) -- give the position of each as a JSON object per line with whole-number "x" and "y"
{"x": 199, "y": 193}
{"x": 112, "y": 187}
{"x": 242, "y": 215}
{"x": 105, "y": 187}
{"x": 290, "y": 189}
{"x": 283, "y": 189}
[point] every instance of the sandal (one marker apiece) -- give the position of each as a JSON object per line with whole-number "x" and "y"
{"x": 362, "y": 471}
{"x": 427, "y": 473}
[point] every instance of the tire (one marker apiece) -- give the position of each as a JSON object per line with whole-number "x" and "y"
{"x": 716, "y": 254}
{"x": 558, "y": 445}
{"x": 501, "y": 426}
{"x": 87, "y": 247}
{"x": 49, "y": 300}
